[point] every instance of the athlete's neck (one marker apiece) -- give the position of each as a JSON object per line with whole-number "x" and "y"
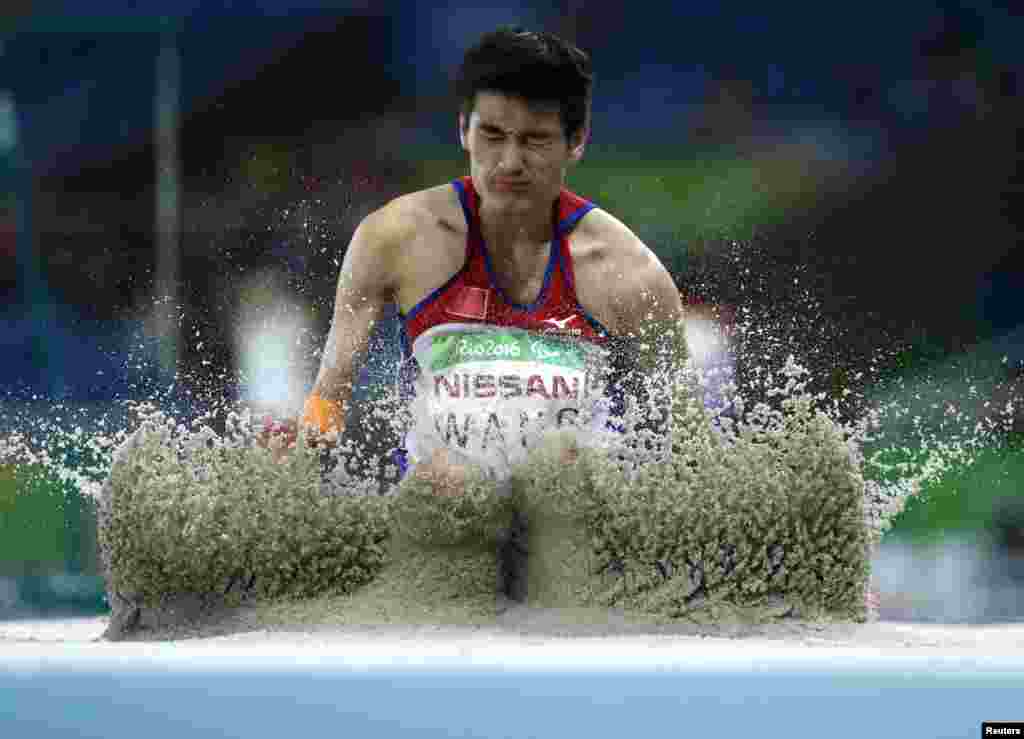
{"x": 514, "y": 237}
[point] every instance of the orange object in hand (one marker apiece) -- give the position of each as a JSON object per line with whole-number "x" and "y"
{"x": 326, "y": 415}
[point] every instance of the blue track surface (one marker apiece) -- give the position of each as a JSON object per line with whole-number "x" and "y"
{"x": 362, "y": 690}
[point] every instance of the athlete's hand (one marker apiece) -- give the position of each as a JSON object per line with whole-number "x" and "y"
{"x": 447, "y": 477}
{"x": 280, "y": 437}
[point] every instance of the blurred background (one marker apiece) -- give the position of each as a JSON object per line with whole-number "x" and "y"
{"x": 180, "y": 181}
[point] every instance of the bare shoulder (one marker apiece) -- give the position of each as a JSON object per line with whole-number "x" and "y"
{"x": 400, "y": 219}
{"x": 629, "y": 268}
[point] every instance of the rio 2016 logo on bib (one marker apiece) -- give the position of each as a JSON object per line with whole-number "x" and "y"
{"x": 446, "y": 351}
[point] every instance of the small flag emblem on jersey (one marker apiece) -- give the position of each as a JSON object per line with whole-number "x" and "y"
{"x": 469, "y": 302}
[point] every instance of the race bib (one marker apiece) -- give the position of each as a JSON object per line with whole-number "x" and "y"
{"x": 486, "y": 393}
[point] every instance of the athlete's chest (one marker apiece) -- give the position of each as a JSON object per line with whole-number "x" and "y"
{"x": 438, "y": 253}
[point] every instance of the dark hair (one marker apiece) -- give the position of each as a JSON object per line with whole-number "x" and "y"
{"x": 536, "y": 66}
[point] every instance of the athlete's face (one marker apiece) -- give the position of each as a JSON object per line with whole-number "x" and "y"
{"x": 518, "y": 153}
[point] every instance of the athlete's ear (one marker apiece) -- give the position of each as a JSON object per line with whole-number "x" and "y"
{"x": 578, "y": 144}
{"x": 462, "y": 130}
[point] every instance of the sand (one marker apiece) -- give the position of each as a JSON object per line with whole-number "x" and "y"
{"x": 517, "y": 632}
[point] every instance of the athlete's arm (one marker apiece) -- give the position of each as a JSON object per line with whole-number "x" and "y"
{"x": 650, "y": 315}
{"x": 657, "y": 320}
{"x": 366, "y": 285}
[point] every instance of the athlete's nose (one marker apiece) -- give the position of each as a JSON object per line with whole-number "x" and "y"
{"x": 511, "y": 158}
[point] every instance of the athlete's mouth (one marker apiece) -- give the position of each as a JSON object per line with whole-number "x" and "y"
{"x": 510, "y": 184}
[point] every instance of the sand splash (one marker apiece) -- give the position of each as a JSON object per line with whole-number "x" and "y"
{"x": 894, "y": 438}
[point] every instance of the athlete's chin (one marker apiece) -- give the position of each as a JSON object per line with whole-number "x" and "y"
{"x": 513, "y": 199}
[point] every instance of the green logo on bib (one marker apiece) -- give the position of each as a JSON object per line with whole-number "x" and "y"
{"x": 446, "y": 351}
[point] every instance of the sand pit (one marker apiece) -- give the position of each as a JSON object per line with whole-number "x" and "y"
{"x": 517, "y": 629}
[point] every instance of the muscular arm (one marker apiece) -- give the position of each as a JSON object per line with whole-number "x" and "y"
{"x": 651, "y": 320}
{"x": 658, "y": 322}
{"x": 366, "y": 285}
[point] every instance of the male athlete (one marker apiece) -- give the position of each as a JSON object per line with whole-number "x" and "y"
{"x": 513, "y": 292}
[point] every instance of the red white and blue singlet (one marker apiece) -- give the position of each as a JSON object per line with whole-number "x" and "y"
{"x": 481, "y": 373}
